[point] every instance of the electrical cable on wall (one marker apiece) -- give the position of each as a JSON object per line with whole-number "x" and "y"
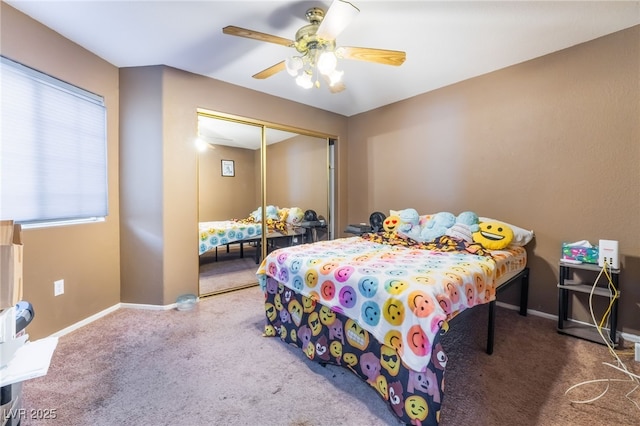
{"x": 632, "y": 378}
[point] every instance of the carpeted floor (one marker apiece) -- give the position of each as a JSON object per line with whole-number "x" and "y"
{"x": 211, "y": 366}
{"x": 227, "y": 270}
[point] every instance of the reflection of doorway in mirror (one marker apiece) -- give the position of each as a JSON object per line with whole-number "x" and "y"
{"x": 228, "y": 168}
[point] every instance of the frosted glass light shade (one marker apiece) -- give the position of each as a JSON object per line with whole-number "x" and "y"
{"x": 335, "y": 77}
{"x": 304, "y": 81}
{"x": 293, "y": 64}
{"x": 327, "y": 63}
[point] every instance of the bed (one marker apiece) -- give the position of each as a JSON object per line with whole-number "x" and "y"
{"x": 378, "y": 305}
{"x": 281, "y": 226}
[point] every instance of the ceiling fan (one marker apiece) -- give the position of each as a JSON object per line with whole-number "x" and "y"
{"x": 316, "y": 51}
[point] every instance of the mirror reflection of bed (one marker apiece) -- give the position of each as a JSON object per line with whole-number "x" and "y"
{"x": 297, "y": 180}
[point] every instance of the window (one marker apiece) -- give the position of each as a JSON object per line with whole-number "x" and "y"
{"x": 53, "y": 150}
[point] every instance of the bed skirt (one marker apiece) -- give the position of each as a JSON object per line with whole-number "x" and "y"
{"x": 328, "y": 337}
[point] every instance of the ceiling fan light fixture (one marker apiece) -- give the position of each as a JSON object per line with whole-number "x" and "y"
{"x": 315, "y": 44}
{"x": 335, "y": 77}
{"x": 327, "y": 62}
{"x": 304, "y": 80}
{"x": 293, "y": 64}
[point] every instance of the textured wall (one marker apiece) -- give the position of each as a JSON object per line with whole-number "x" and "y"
{"x": 552, "y": 145}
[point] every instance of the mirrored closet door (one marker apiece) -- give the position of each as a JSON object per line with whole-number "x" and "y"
{"x": 297, "y": 177}
{"x": 246, "y": 168}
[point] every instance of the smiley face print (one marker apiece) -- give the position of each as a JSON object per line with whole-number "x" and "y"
{"x": 328, "y": 290}
{"x": 335, "y": 348}
{"x": 382, "y": 388}
{"x": 343, "y": 273}
{"x": 347, "y": 297}
{"x": 326, "y": 315}
{"x": 395, "y": 286}
{"x": 493, "y": 235}
{"x": 328, "y": 267}
{"x": 394, "y": 339}
{"x": 368, "y": 286}
{"x": 421, "y": 303}
{"x": 393, "y": 311}
{"x": 271, "y": 312}
{"x": 311, "y": 278}
{"x": 314, "y": 323}
{"x": 389, "y": 360}
{"x": 356, "y": 335}
{"x": 295, "y": 310}
{"x": 371, "y": 313}
{"x": 416, "y": 408}
{"x": 391, "y": 223}
{"x": 417, "y": 341}
{"x": 350, "y": 359}
{"x": 308, "y": 304}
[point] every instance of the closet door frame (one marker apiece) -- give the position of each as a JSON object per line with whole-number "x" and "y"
{"x": 265, "y": 125}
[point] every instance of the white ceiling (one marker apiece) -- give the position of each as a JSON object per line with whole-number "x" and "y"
{"x": 445, "y": 41}
{"x": 239, "y": 135}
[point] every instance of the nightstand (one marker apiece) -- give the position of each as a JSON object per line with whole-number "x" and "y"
{"x": 311, "y": 227}
{"x": 567, "y": 285}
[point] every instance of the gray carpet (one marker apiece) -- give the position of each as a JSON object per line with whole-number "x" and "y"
{"x": 211, "y": 366}
{"x": 227, "y": 270}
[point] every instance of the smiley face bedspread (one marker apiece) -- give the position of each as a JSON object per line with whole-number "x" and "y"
{"x": 400, "y": 294}
{"x": 223, "y": 232}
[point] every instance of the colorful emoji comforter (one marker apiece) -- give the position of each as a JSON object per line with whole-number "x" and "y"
{"x": 219, "y": 233}
{"x": 379, "y": 305}
{"x": 401, "y": 294}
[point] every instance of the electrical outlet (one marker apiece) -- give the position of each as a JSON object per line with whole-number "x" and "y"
{"x": 58, "y": 287}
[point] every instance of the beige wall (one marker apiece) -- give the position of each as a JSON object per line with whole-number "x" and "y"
{"x": 87, "y": 257}
{"x": 221, "y": 197}
{"x": 297, "y": 174}
{"x": 159, "y": 270}
{"x": 552, "y": 144}
{"x": 141, "y": 194}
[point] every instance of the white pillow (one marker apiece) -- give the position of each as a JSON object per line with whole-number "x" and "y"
{"x": 521, "y": 237}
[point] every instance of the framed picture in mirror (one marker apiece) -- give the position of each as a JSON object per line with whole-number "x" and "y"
{"x": 228, "y": 168}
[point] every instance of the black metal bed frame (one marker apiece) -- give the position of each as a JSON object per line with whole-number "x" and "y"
{"x": 523, "y": 277}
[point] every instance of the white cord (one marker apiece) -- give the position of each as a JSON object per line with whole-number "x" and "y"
{"x": 632, "y": 378}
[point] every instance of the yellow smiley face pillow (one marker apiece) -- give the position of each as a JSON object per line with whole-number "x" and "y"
{"x": 391, "y": 224}
{"x": 493, "y": 235}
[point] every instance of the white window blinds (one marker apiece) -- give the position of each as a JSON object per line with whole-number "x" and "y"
{"x": 53, "y": 156}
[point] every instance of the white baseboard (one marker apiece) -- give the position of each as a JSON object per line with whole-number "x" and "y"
{"x": 630, "y": 337}
{"x": 626, "y": 336}
{"x": 148, "y": 307}
{"x": 529, "y": 311}
{"x": 86, "y": 321}
{"x": 107, "y": 311}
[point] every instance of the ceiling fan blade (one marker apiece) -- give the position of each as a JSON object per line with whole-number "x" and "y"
{"x": 381, "y": 56}
{"x": 274, "y": 69}
{"x": 338, "y": 16}
{"x": 242, "y": 32}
